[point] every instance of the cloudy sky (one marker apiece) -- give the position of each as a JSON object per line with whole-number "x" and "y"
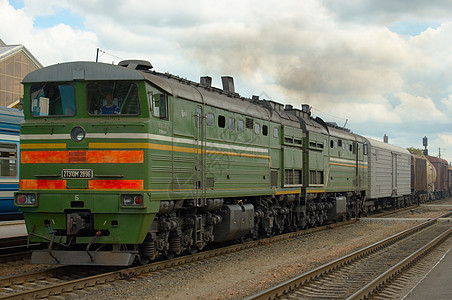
{"x": 378, "y": 66}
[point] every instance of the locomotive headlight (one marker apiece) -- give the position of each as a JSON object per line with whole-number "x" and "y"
{"x": 25, "y": 199}
{"x": 77, "y": 134}
{"x": 132, "y": 200}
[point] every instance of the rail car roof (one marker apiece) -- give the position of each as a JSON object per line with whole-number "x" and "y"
{"x": 382, "y": 145}
{"x": 176, "y": 86}
{"x": 82, "y": 70}
{"x": 214, "y": 97}
{"x": 10, "y": 119}
{"x": 418, "y": 156}
{"x": 436, "y": 159}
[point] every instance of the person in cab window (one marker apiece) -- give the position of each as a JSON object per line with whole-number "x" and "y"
{"x": 109, "y": 108}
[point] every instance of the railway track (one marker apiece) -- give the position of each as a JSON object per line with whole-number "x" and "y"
{"x": 60, "y": 280}
{"x": 359, "y": 274}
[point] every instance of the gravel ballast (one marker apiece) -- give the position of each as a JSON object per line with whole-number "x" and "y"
{"x": 244, "y": 273}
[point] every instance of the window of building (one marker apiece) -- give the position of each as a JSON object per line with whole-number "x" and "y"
{"x": 12, "y": 71}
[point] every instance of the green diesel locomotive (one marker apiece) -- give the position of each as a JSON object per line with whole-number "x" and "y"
{"x": 120, "y": 165}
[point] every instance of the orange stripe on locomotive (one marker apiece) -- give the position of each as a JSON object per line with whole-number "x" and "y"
{"x": 110, "y": 184}
{"x": 80, "y": 156}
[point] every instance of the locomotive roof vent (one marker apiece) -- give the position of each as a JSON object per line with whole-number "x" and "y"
{"x": 306, "y": 109}
{"x": 141, "y": 65}
{"x": 206, "y": 81}
{"x": 228, "y": 84}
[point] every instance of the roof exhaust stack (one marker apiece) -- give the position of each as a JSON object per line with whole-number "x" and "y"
{"x": 206, "y": 81}
{"x": 228, "y": 84}
{"x": 306, "y": 109}
{"x": 385, "y": 139}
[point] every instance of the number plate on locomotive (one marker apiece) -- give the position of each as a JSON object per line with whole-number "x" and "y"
{"x": 77, "y": 173}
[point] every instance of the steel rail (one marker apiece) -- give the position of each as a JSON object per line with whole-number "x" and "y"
{"x": 294, "y": 283}
{"x": 385, "y": 278}
{"x": 19, "y": 279}
{"x": 81, "y": 283}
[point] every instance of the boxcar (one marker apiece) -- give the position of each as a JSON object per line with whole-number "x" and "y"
{"x": 442, "y": 176}
{"x": 389, "y": 174}
{"x": 419, "y": 179}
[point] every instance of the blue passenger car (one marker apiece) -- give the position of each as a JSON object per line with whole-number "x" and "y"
{"x": 10, "y": 119}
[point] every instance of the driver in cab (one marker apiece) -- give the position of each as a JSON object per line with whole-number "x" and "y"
{"x": 109, "y": 108}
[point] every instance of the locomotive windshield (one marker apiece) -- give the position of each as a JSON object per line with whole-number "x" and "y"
{"x": 52, "y": 99}
{"x": 112, "y": 98}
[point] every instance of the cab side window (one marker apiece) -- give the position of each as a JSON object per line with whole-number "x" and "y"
{"x": 159, "y": 106}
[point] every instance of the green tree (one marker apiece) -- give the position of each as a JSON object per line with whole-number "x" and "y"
{"x": 415, "y": 150}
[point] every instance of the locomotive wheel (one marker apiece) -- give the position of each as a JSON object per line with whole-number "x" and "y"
{"x": 192, "y": 250}
{"x": 143, "y": 261}
{"x": 169, "y": 254}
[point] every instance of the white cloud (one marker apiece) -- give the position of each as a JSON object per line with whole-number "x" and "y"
{"x": 340, "y": 58}
{"x": 10, "y": 19}
{"x": 415, "y": 108}
{"x": 49, "y": 45}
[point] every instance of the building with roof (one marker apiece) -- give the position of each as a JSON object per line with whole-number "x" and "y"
{"x": 15, "y": 62}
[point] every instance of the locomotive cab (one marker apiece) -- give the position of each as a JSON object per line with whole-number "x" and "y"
{"x": 81, "y": 186}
